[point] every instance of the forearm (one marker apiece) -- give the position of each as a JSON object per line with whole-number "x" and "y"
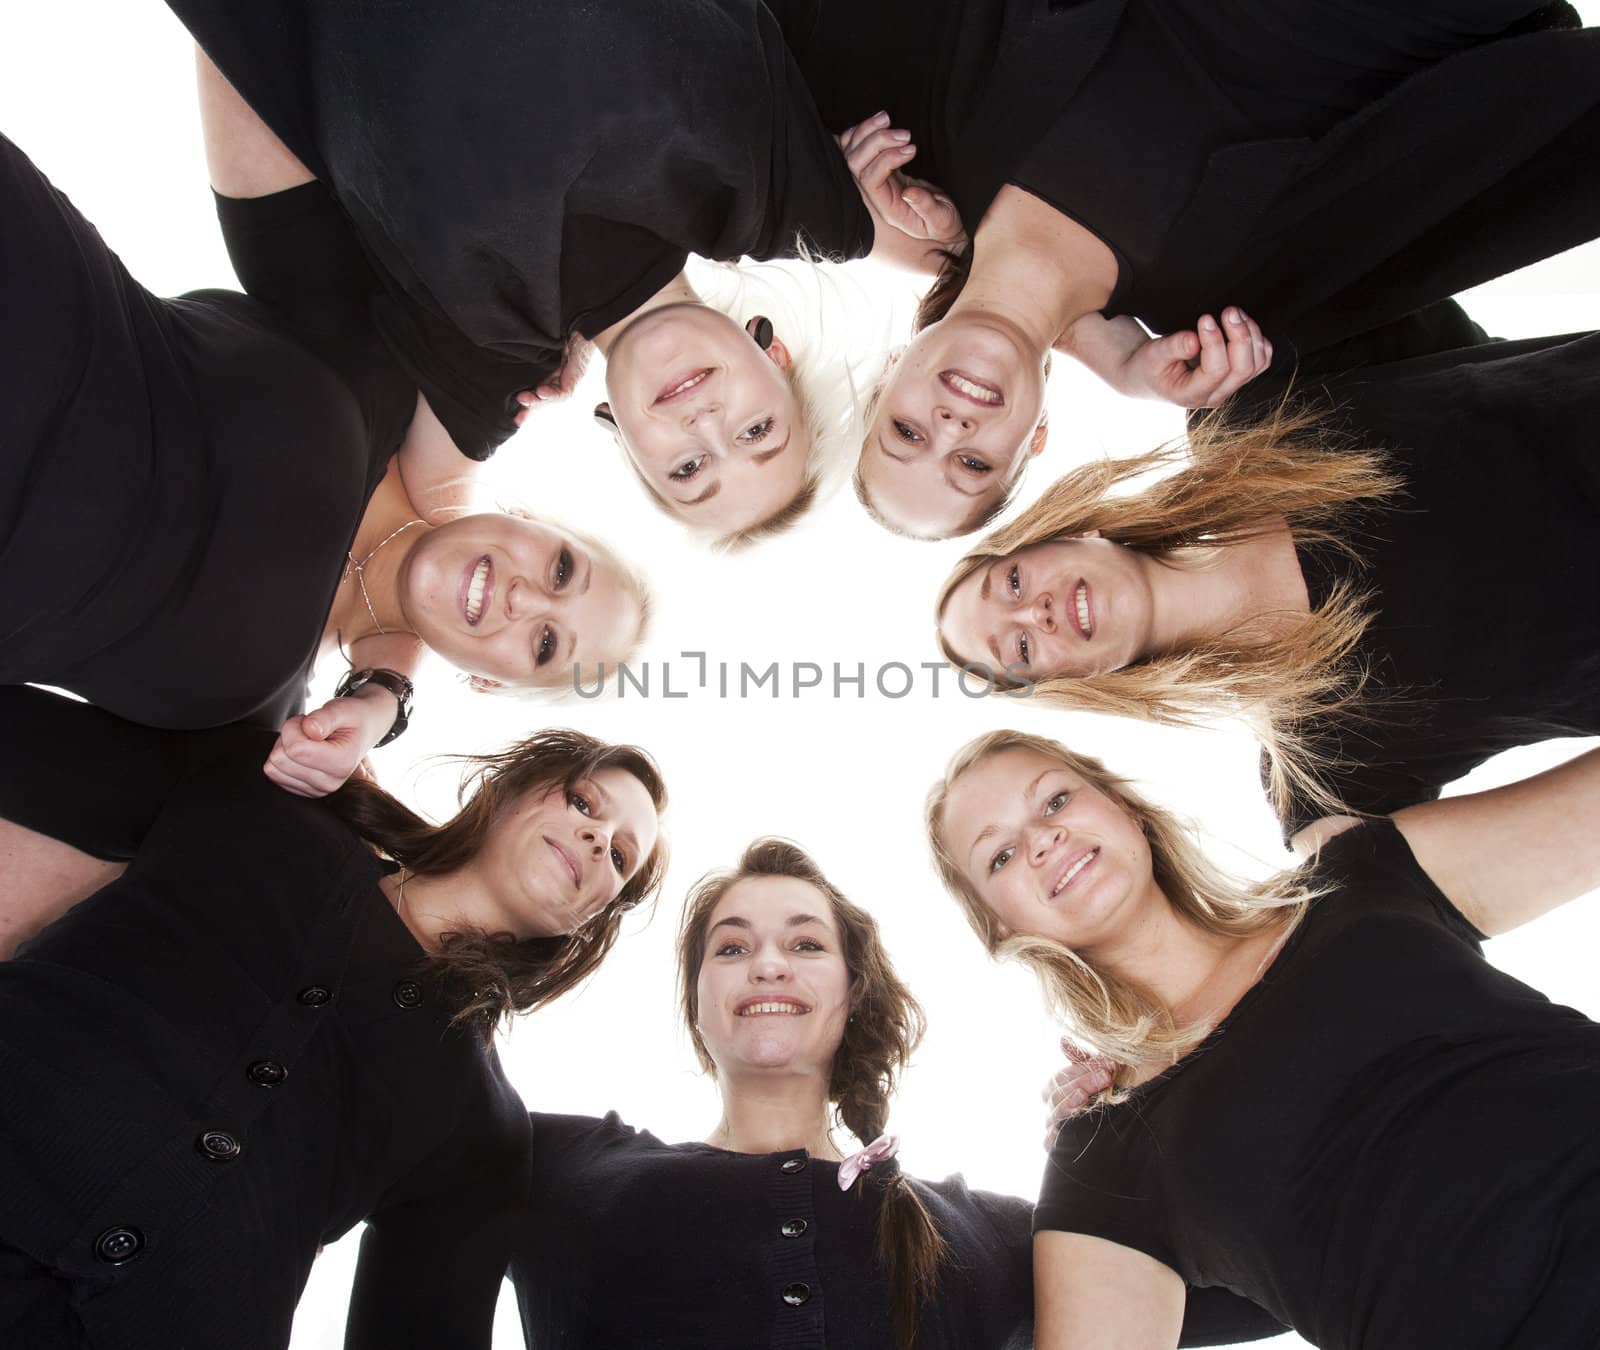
{"x": 1104, "y": 345}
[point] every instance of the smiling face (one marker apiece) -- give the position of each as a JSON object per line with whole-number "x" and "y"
{"x": 709, "y": 418}
{"x": 773, "y": 987}
{"x": 1067, "y": 607}
{"x": 556, "y": 858}
{"x": 959, "y": 416}
{"x": 518, "y": 601}
{"x": 1050, "y": 855}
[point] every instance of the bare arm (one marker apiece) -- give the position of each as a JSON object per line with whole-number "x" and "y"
{"x": 437, "y": 477}
{"x": 243, "y": 156}
{"x": 44, "y": 878}
{"x": 1090, "y": 1294}
{"x": 1196, "y": 368}
{"x": 1510, "y": 854}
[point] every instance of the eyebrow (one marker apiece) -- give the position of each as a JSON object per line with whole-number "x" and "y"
{"x": 995, "y": 829}
{"x": 705, "y": 496}
{"x": 793, "y": 921}
{"x": 773, "y": 453}
{"x": 883, "y": 445}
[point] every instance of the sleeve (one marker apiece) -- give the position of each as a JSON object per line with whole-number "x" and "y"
{"x": 1217, "y": 1316}
{"x": 1374, "y": 858}
{"x": 78, "y": 774}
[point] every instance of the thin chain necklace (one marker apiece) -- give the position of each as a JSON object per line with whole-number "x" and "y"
{"x": 354, "y": 568}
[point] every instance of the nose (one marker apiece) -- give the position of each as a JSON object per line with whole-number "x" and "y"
{"x": 1043, "y": 843}
{"x": 595, "y": 836}
{"x": 770, "y": 965}
{"x": 959, "y": 421}
{"x": 700, "y": 413}
{"x": 1044, "y": 612}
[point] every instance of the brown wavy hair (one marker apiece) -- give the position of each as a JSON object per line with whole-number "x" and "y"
{"x": 1113, "y": 1016}
{"x": 1226, "y": 484}
{"x": 886, "y": 1023}
{"x": 487, "y": 976}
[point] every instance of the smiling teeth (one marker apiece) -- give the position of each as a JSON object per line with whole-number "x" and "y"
{"x": 772, "y": 1008}
{"x": 1077, "y": 867}
{"x": 965, "y": 386}
{"x": 480, "y": 578}
{"x": 687, "y": 384}
{"x": 1082, "y": 599}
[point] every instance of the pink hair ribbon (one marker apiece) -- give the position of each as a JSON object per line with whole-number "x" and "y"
{"x": 880, "y": 1150}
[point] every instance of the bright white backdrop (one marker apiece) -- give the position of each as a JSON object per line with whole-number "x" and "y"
{"x": 101, "y": 95}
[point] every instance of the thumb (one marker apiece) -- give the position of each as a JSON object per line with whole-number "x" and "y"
{"x": 313, "y": 729}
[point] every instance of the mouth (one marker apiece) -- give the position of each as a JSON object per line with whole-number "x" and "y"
{"x": 567, "y": 859}
{"x": 476, "y": 589}
{"x": 684, "y": 384}
{"x": 1082, "y": 611}
{"x": 771, "y": 1007}
{"x": 1073, "y": 870}
{"x": 974, "y": 390}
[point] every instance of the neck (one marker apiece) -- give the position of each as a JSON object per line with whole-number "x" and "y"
{"x": 678, "y": 291}
{"x": 774, "y": 1113}
{"x": 382, "y": 567}
{"x": 432, "y": 906}
{"x": 1249, "y": 591}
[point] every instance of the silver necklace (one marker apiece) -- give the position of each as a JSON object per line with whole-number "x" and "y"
{"x": 354, "y": 568}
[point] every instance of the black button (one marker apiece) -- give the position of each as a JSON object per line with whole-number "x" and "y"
{"x": 267, "y": 1073}
{"x": 218, "y": 1145}
{"x": 793, "y": 1165}
{"x": 118, "y": 1246}
{"x": 407, "y": 994}
{"x": 795, "y": 1294}
{"x": 315, "y": 995}
{"x": 794, "y": 1227}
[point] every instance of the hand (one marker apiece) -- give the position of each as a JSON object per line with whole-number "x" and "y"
{"x": 1199, "y": 368}
{"x": 911, "y": 218}
{"x": 1071, "y": 1088}
{"x": 574, "y": 361}
{"x": 316, "y": 753}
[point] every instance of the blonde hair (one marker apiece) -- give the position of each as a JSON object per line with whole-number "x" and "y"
{"x": 1226, "y": 485}
{"x": 1114, "y": 1016}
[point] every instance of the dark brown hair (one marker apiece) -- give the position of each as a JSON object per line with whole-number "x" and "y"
{"x": 886, "y": 1023}
{"x": 490, "y": 975}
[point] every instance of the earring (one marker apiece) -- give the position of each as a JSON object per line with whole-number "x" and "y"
{"x": 604, "y": 416}
{"x": 760, "y": 328}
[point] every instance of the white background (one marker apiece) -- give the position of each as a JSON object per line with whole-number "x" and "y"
{"x": 101, "y": 95}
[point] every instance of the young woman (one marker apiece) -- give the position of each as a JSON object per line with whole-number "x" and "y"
{"x": 1325, "y": 1098}
{"x": 207, "y": 494}
{"x": 1316, "y": 170}
{"x": 767, "y": 1233}
{"x": 275, "y": 1022}
{"x": 1385, "y": 620}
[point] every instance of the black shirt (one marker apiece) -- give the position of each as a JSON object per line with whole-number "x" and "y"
{"x": 228, "y": 1057}
{"x": 183, "y": 477}
{"x": 550, "y": 167}
{"x": 1387, "y": 1143}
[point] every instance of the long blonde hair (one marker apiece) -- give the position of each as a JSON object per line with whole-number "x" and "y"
{"x": 1225, "y": 485}
{"x": 1113, "y": 1016}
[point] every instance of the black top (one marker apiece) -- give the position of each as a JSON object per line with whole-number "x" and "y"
{"x": 1484, "y": 577}
{"x": 1388, "y": 1142}
{"x": 628, "y": 1243}
{"x": 228, "y": 1057}
{"x": 549, "y": 168}
{"x": 1323, "y": 165}
{"x": 182, "y": 478}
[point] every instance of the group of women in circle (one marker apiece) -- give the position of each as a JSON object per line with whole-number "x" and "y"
{"x": 243, "y": 1012}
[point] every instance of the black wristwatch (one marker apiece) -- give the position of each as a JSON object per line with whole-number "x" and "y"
{"x": 392, "y": 680}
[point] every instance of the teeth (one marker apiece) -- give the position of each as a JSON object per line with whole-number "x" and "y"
{"x": 1077, "y": 867}
{"x": 687, "y": 384}
{"x": 755, "y": 1008}
{"x": 1082, "y": 598}
{"x": 965, "y": 386}
{"x": 480, "y": 578}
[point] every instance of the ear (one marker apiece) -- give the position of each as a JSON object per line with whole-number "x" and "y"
{"x": 1087, "y": 534}
{"x": 482, "y": 684}
{"x": 1041, "y": 434}
{"x": 1002, "y": 933}
{"x": 779, "y": 354}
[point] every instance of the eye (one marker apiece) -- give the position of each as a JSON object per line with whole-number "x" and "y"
{"x": 905, "y": 432}
{"x": 618, "y": 861}
{"x": 563, "y": 568}
{"x": 1024, "y": 650}
{"x": 730, "y": 949}
{"x": 1000, "y": 859}
{"x": 1056, "y": 802}
{"x": 808, "y": 945}
{"x": 687, "y": 470}
{"x": 972, "y": 464}
{"x": 547, "y": 646}
{"x": 756, "y": 432}
{"x": 580, "y": 803}
{"x": 1014, "y": 580}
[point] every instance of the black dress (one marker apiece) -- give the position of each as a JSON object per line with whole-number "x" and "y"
{"x": 1329, "y": 165}
{"x": 628, "y": 1243}
{"x": 180, "y": 479}
{"x": 223, "y": 1060}
{"x": 1388, "y": 1143}
{"x": 549, "y": 167}
{"x": 1484, "y": 577}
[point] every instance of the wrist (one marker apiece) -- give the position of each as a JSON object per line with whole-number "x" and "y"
{"x": 376, "y": 682}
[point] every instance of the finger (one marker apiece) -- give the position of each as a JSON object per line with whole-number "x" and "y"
{"x": 879, "y": 154}
{"x": 1258, "y": 345}
{"x": 1213, "y": 347}
{"x": 855, "y": 133}
{"x": 1175, "y": 349}
{"x": 870, "y": 137}
{"x": 1074, "y": 1052}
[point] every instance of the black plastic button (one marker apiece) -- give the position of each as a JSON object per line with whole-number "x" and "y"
{"x": 267, "y": 1073}
{"x": 315, "y": 995}
{"x": 118, "y": 1246}
{"x": 407, "y": 994}
{"x": 793, "y": 1165}
{"x": 218, "y": 1145}
{"x": 795, "y": 1294}
{"x": 794, "y": 1227}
